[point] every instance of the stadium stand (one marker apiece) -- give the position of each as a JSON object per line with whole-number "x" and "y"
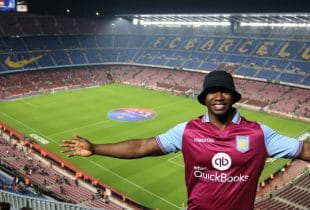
{"x": 295, "y": 195}
{"x": 284, "y": 60}
{"x": 36, "y": 168}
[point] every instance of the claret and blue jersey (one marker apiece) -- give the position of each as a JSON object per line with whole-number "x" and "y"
{"x": 222, "y": 167}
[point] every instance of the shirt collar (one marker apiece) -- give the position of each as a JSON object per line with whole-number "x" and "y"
{"x": 236, "y": 119}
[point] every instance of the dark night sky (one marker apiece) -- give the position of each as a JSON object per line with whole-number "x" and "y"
{"x": 112, "y": 7}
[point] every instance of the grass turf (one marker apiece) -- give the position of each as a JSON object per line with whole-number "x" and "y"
{"x": 156, "y": 182}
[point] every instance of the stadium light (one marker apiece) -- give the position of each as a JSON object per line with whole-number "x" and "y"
{"x": 275, "y": 24}
{"x": 194, "y": 23}
{"x": 135, "y": 21}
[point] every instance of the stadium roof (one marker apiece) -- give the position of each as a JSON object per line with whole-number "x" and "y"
{"x": 260, "y": 18}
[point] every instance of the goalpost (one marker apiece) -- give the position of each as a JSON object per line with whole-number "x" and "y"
{"x": 55, "y": 90}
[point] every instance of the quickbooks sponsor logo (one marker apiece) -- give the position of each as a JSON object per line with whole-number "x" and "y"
{"x": 203, "y": 173}
{"x": 220, "y": 177}
{"x": 221, "y": 161}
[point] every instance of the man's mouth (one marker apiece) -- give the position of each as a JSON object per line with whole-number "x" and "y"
{"x": 219, "y": 106}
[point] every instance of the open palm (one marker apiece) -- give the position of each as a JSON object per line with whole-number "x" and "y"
{"x": 77, "y": 146}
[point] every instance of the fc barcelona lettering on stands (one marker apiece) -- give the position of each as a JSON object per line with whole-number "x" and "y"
{"x": 267, "y": 48}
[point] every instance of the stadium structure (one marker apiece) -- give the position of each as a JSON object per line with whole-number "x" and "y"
{"x": 268, "y": 55}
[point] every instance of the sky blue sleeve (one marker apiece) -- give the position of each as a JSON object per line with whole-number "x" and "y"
{"x": 171, "y": 141}
{"x": 280, "y": 146}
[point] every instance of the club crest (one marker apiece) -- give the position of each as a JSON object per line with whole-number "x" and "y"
{"x": 243, "y": 143}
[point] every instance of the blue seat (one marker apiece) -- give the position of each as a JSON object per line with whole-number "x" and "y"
{"x": 291, "y": 78}
{"x": 246, "y": 71}
{"x": 208, "y": 66}
{"x": 267, "y": 74}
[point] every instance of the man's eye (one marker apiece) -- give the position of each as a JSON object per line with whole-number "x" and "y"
{"x": 212, "y": 91}
{"x": 215, "y": 91}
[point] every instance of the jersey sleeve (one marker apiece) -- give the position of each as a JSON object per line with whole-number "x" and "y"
{"x": 280, "y": 146}
{"x": 171, "y": 141}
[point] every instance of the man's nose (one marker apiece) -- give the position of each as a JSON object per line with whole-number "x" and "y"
{"x": 219, "y": 95}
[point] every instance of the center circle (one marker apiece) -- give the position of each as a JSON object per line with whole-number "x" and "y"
{"x": 131, "y": 114}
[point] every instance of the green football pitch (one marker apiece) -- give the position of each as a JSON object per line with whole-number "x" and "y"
{"x": 157, "y": 182}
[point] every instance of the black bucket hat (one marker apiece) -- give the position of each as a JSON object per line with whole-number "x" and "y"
{"x": 220, "y": 79}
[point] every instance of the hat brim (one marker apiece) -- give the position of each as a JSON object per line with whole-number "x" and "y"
{"x": 202, "y": 96}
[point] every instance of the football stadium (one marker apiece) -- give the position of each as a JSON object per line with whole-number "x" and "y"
{"x": 134, "y": 76}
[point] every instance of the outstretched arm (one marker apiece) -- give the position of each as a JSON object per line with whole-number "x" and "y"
{"x": 129, "y": 149}
{"x": 305, "y": 151}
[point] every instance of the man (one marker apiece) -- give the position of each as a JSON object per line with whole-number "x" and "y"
{"x": 223, "y": 153}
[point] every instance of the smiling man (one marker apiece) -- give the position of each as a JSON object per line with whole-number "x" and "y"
{"x": 223, "y": 153}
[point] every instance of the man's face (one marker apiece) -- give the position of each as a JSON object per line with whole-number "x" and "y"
{"x": 219, "y": 101}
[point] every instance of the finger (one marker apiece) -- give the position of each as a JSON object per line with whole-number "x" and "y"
{"x": 66, "y": 145}
{"x": 73, "y": 154}
{"x": 68, "y": 150}
{"x": 69, "y": 141}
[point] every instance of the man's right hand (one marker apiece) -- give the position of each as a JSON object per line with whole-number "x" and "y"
{"x": 77, "y": 146}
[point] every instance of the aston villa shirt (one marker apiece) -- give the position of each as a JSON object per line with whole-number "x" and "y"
{"x": 222, "y": 167}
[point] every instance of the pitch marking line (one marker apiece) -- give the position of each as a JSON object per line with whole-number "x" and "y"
{"x": 304, "y": 130}
{"x": 26, "y": 126}
{"x": 175, "y": 163}
{"x": 84, "y": 126}
{"x": 134, "y": 184}
{"x": 106, "y": 169}
{"x": 29, "y": 104}
{"x": 96, "y": 123}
